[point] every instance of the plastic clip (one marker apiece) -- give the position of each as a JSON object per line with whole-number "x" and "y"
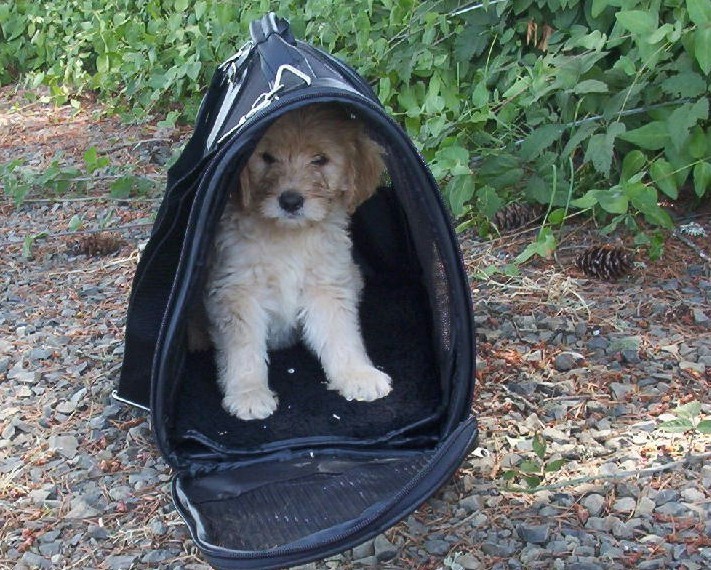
{"x": 265, "y": 99}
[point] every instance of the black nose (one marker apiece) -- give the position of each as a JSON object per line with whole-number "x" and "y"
{"x": 291, "y": 201}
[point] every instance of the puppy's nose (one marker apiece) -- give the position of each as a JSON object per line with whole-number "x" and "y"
{"x": 291, "y": 201}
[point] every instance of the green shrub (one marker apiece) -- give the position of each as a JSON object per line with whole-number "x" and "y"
{"x": 593, "y": 104}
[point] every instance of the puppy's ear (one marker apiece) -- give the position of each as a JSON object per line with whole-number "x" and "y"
{"x": 367, "y": 169}
{"x": 244, "y": 194}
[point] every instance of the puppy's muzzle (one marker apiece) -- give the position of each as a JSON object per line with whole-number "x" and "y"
{"x": 291, "y": 201}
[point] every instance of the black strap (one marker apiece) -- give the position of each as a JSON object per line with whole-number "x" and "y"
{"x": 276, "y": 45}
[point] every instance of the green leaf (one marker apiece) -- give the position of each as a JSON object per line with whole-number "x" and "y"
{"x": 557, "y": 216}
{"x": 639, "y": 22}
{"x": 613, "y": 200}
{"x": 480, "y": 95}
{"x": 676, "y": 426}
{"x": 500, "y": 171}
{"x": 698, "y": 143}
{"x": 689, "y": 410}
{"x": 632, "y": 164}
{"x": 662, "y": 173}
{"x": 92, "y": 160}
{"x": 684, "y": 84}
{"x": 642, "y": 197}
{"x": 702, "y": 48}
{"x": 699, "y": 12}
{"x": 75, "y": 223}
{"x": 459, "y": 190}
{"x": 584, "y": 132}
{"x": 470, "y": 42}
{"x": 587, "y": 200}
{"x": 529, "y": 466}
{"x": 544, "y": 246}
{"x": 533, "y": 481}
{"x": 519, "y": 86}
{"x": 538, "y": 443}
{"x": 509, "y": 475}
{"x": 598, "y": 6}
{"x": 682, "y": 119}
{"x": 652, "y": 136}
{"x": 600, "y": 147}
{"x": 181, "y": 5}
{"x": 702, "y": 178}
{"x": 122, "y": 187}
{"x": 102, "y": 63}
{"x": 539, "y": 140}
{"x": 488, "y": 201}
{"x": 590, "y": 86}
{"x": 27, "y": 244}
{"x": 704, "y": 427}
{"x": 200, "y": 9}
{"x": 555, "y": 465}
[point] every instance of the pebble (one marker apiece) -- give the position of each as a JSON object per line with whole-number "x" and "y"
{"x": 364, "y": 550}
{"x": 645, "y": 507}
{"x": 624, "y": 505}
{"x": 672, "y": 509}
{"x": 471, "y": 504}
{"x": 468, "y": 562}
{"x": 499, "y": 549}
{"x": 594, "y": 504}
{"x": 666, "y": 495}
{"x": 120, "y": 562}
{"x": 384, "y": 550}
{"x": 65, "y": 445}
{"x": 621, "y": 391}
{"x": 566, "y": 361}
{"x": 589, "y": 383}
{"x": 33, "y": 560}
{"x": 437, "y": 547}
{"x": 692, "y": 495}
{"x": 700, "y": 318}
{"x": 536, "y": 534}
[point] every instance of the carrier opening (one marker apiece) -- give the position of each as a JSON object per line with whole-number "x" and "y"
{"x": 405, "y": 322}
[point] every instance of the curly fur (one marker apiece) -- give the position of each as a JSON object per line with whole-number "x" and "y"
{"x": 282, "y": 268}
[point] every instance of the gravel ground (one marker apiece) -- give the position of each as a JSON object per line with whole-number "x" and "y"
{"x": 581, "y": 372}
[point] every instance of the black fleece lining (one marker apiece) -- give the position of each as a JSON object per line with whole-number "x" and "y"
{"x": 396, "y": 327}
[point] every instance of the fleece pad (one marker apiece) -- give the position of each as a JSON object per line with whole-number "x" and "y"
{"x": 396, "y": 327}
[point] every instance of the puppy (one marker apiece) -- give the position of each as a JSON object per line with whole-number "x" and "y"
{"x": 282, "y": 268}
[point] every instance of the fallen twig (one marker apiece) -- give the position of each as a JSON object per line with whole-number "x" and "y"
{"x": 82, "y": 232}
{"x": 688, "y": 460}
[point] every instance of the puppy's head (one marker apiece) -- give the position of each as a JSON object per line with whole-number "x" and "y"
{"x": 309, "y": 163}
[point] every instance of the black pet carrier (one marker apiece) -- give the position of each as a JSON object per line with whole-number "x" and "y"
{"x": 321, "y": 474}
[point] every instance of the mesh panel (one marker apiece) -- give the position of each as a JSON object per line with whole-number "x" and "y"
{"x": 440, "y": 289}
{"x": 280, "y": 512}
{"x": 427, "y": 233}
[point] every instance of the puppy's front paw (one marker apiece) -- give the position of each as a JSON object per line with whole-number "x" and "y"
{"x": 363, "y": 384}
{"x": 253, "y": 404}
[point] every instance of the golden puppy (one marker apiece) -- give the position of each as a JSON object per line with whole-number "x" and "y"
{"x": 282, "y": 268}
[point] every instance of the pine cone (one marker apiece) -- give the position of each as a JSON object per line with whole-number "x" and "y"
{"x": 514, "y": 216}
{"x": 605, "y": 262}
{"x": 96, "y": 245}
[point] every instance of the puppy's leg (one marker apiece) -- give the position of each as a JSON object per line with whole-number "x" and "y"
{"x": 239, "y": 332}
{"x": 332, "y": 331}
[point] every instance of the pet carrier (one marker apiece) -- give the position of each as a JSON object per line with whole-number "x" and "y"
{"x": 321, "y": 474}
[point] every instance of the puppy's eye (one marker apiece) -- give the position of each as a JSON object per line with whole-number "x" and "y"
{"x": 319, "y": 160}
{"x": 268, "y": 158}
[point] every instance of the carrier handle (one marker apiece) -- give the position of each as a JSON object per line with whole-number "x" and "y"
{"x": 277, "y": 49}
